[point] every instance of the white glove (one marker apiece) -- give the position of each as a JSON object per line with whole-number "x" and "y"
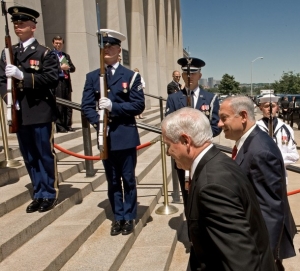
{"x": 13, "y": 71}
{"x": 105, "y": 103}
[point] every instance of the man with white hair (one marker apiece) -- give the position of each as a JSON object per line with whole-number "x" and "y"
{"x": 225, "y": 223}
{"x": 283, "y": 134}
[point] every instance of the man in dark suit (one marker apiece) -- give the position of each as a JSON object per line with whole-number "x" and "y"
{"x": 260, "y": 158}
{"x": 35, "y": 70}
{"x": 174, "y": 86}
{"x": 285, "y": 108}
{"x": 125, "y": 101}
{"x": 64, "y": 88}
{"x": 225, "y": 223}
{"x": 202, "y": 100}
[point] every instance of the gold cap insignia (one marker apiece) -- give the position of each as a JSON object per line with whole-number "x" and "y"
{"x": 16, "y": 10}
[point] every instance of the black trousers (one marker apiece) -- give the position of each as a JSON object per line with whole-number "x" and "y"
{"x": 64, "y": 118}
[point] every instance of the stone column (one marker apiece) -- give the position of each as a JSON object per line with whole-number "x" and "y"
{"x": 153, "y": 84}
{"x": 137, "y": 39}
{"x": 165, "y": 77}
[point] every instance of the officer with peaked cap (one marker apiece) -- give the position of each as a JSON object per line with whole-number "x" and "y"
{"x": 35, "y": 71}
{"x": 125, "y": 101}
{"x": 283, "y": 134}
{"x": 202, "y": 100}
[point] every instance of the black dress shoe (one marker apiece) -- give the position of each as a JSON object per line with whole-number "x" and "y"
{"x": 47, "y": 205}
{"x": 116, "y": 227}
{"x": 61, "y": 131}
{"x": 70, "y": 129}
{"x": 34, "y": 205}
{"x": 127, "y": 227}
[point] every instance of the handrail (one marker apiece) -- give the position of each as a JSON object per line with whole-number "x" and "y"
{"x": 156, "y": 97}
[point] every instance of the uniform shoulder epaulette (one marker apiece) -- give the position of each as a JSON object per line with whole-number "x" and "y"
{"x": 46, "y": 47}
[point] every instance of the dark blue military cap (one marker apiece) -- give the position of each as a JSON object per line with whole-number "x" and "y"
{"x": 195, "y": 64}
{"x": 23, "y": 14}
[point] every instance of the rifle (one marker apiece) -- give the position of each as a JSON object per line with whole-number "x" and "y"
{"x": 270, "y": 122}
{"x": 103, "y": 118}
{"x": 188, "y": 96}
{"x": 12, "y": 101}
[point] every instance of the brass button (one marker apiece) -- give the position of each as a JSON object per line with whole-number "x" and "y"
{"x": 108, "y": 90}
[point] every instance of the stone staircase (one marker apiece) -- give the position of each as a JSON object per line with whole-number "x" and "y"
{"x": 75, "y": 235}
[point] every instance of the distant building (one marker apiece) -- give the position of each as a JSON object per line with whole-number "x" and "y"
{"x": 203, "y": 82}
{"x": 210, "y": 82}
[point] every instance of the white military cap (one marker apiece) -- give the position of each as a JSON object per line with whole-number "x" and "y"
{"x": 112, "y": 37}
{"x": 268, "y": 98}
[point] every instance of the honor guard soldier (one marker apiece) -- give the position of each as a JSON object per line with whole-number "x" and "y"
{"x": 202, "y": 100}
{"x": 125, "y": 101}
{"x": 35, "y": 70}
{"x": 283, "y": 134}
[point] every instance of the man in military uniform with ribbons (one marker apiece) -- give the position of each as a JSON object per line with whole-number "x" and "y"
{"x": 35, "y": 69}
{"x": 202, "y": 100}
{"x": 125, "y": 101}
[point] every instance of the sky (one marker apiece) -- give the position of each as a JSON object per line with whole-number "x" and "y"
{"x": 229, "y": 34}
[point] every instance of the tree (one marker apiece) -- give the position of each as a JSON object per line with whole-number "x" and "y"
{"x": 289, "y": 83}
{"x": 228, "y": 85}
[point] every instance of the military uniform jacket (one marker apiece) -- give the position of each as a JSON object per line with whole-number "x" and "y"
{"x": 40, "y": 68}
{"x": 261, "y": 160}
{"x": 207, "y": 102}
{"x": 224, "y": 219}
{"x": 126, "y": 104}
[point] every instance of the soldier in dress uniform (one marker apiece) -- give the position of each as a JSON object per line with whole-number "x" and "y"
{"x": 125, "y": 100}
{"x": 202, "y": 100}
{"x": 35, "y": 70}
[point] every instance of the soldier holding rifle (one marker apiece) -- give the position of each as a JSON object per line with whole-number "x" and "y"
{"x": 35, "y": 70}
{"x": 125, "y": 100}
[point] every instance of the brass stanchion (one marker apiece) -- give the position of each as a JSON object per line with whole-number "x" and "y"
{"x": 7, "y": 162}
{"x": 166, "y": 209}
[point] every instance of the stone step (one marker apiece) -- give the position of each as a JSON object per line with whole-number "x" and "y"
{"x": 75, "y": 226}
{"x": 13, "y": 238}
{"x": 104, "y": 252}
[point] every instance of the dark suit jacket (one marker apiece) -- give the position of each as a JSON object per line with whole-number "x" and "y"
{"x": 126, "y": 104}
{"x": 40, "y": 68}
{"x": 262, "y": 161}
{"x": 173, "y": 87}
{"x": 224, "y": 220}
{"x": 72, "y": 69}
{"x": 178, "y": 100}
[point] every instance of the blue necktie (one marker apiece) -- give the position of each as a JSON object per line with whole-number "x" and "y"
{"x": 109, "y": 72}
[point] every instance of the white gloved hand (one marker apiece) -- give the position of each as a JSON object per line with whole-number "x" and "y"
{"x": 13, "y": 71}
{"x": 105, "y": 103}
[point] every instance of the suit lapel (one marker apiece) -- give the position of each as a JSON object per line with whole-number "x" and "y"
{"x": 183, "y": 98}
{"x": 244, "y": 149}
{"x": 204, "y": 160}
{"x": 201, "y": 100}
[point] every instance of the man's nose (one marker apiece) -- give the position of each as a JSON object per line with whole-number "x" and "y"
{"x": 220, "y": 124}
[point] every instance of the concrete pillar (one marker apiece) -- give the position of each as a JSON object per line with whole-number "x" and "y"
{"x": 78, "y": 27}
{"x": 137, "y": 39}
{"x": 165, "y": 76}
{"x": 153, "y": 84}
{"x": 170, "y": 38}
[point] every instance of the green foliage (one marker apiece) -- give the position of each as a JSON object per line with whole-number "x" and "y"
{"x": 228, "y": 85}
{"x": 289, "y": 83}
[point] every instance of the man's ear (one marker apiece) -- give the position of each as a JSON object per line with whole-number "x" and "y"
{"x": 184, "y": 139}
{"x": 244, "y": 115}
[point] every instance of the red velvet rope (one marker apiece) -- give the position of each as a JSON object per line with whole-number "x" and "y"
{"x": 94, "y": 157}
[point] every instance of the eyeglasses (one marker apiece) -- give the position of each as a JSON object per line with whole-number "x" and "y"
{"x": 177, "y": 76}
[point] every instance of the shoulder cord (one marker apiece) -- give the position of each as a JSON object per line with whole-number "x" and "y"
{"x": 212, "y": 107}
{"x": 132, "y": 80}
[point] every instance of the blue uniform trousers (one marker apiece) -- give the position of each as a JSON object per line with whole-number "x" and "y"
{"x": 36, "y": 145}
{"x": 120, "y": 167}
